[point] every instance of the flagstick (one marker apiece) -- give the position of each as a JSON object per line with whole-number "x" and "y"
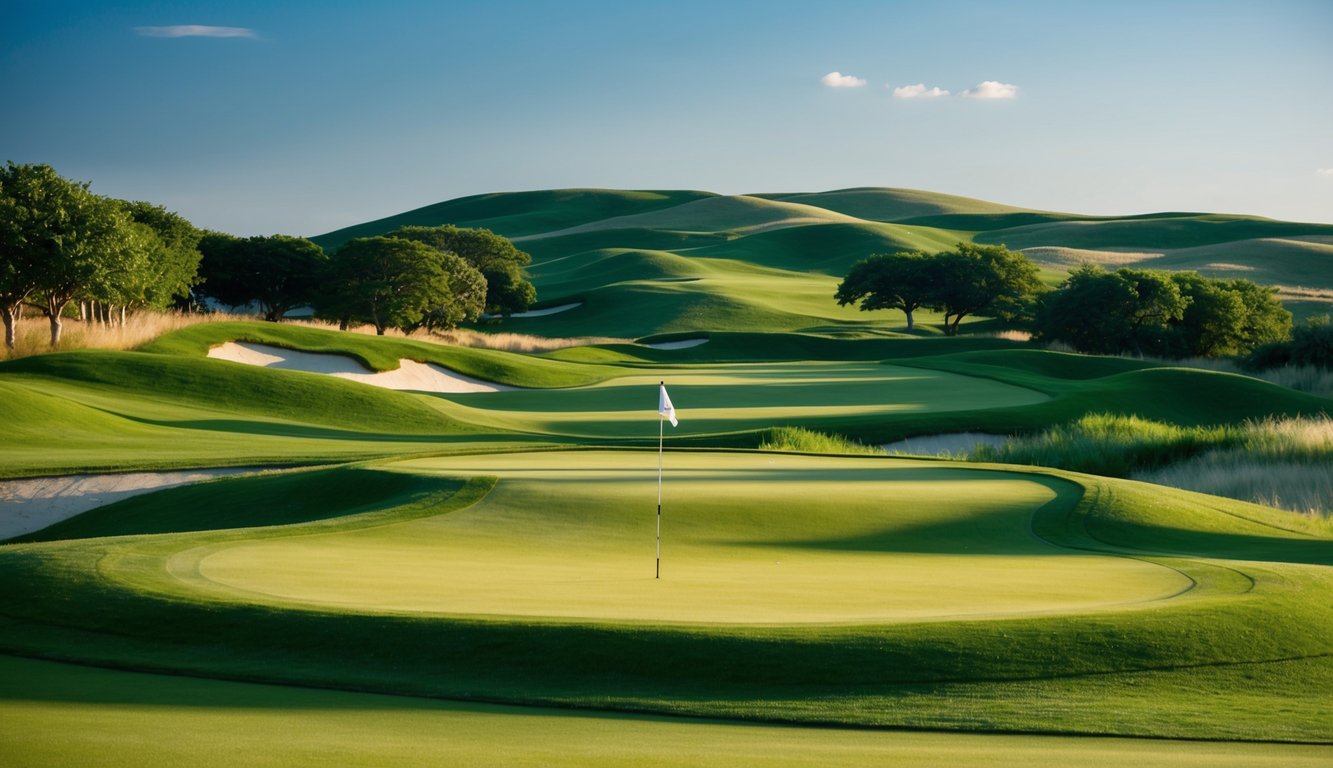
{"x": 658, "y": 574}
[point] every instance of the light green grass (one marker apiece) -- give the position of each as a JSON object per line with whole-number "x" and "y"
{"x": 68, "y": 715}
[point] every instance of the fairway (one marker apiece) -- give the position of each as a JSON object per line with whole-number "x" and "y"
{"x": 749, "y": 538}
{"x": 719, "y": 399}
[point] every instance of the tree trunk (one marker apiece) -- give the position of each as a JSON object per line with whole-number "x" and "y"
{"x": 11, "y": 317}
{"x": 379, "y": 330}
{"x": 344, "y": 324}
{"x": 53, "y": 311}
{"x": 122, "y": 315}
{"x": 908, "y": 312}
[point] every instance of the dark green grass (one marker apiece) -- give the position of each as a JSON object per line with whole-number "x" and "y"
{"x": 521, "y": 213}
{"x": 229, "y": 391}
{"x": 81, "y": 601}
{"x": 247, "y": 502}
{"x": 828, "y": 249}
{"x": 381, "y": 353}
{"x": 1080, "y": 385}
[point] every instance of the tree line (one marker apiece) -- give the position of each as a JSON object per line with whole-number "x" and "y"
{"x": 1141, "y": 311}
{"x": 61, "y": 244}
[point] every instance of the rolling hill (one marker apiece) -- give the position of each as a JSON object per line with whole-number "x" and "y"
{"x": 652, "y": 262}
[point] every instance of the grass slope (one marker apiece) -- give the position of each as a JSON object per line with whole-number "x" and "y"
{"x": 64, "y": 714}
{"x": 515, "y": 214}
{"x": 1233, "y": 656}
{"x": 886, "y": 204}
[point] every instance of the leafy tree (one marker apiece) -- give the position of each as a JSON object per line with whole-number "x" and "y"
{"x": 500, "y": 263}
{"x": 982, "y": 279}
{"x": 279, "y": 272}
{"x": 903, "y": 281}
{"x": 1311, "y": 344}
{"x": 397, "y": 283}
{"x": 58, "y": 240}
{"x": 173, "y": 263}
{"x": 1161, "y": 313}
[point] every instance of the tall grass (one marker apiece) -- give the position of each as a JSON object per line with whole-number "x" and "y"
{"x": 32, "y": 335}
{"x": 1285, "y": 463}
{"x": 460, "y": 337}
{"x": 800, "y": 440}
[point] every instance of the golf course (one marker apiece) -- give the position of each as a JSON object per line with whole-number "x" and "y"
{"x": 423, "y": 552}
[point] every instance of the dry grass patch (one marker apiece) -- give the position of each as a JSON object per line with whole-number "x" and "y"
{"x": 32, "y": 335}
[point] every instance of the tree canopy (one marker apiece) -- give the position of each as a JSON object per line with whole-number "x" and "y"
{"x": 59, "y": 242}
{"x": 1172, "y": 314}
{"x": 968, "y": 280}
{"x": 396, "y": 283}
{"x": 277, "y": 272}
{"x": 499, "y": 261}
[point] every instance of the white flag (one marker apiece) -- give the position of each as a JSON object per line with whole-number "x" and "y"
{"x": 664, "y": 407}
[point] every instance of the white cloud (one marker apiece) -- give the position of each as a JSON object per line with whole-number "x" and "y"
{"x": 839, "y": 80}
{"x": 195, "y": 30}
{"x": 919, "y": 91}
{"x": 992, "y": 89}
{"x": 1324, "y": 171}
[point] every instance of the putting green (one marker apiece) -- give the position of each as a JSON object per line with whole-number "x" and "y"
{"x": 714, "y": 399}
{"x": 748, "y": 538}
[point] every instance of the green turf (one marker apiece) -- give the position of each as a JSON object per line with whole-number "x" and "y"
{"x": 796, "y": 589}
{"x": 62, "y": 714}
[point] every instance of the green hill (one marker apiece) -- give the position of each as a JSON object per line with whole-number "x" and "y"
{"x": 605, "y": 247}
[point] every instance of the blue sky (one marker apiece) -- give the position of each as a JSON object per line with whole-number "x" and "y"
{"x": 301, "y": 117}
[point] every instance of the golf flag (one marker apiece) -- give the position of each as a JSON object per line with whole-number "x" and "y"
{"x": 664, "y": 407}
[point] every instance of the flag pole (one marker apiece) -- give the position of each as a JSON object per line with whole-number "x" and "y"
{"x": 658, "y": 573}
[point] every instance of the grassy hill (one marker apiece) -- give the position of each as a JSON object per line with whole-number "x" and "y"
{"x": 614, "y": 249}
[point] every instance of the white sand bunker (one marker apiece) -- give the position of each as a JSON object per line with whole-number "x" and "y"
{"x": 683, "y": 344}
{"x": 540, "y": 312}
{"x": 411, "y": 375}
{"x": 33, "y": 504}
{"x": 951, "y": 444}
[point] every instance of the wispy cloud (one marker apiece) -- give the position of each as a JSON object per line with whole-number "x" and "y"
{"x": 919, "y": 91}
{"x": 991, "y": 89}
{"x": 839, "y": 80}
{"x": 1324, "y": 171}
{"x": 195, "y": 30}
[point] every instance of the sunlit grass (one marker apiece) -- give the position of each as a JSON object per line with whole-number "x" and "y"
{"x": 1284, "y": 463}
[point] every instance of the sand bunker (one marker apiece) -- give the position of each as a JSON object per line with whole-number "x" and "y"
{"x": 951, "y": 444}
{"x": 33, "y": 504}
{"x": 540, "y": 312}
{"x": 411, "y": 375}
{"x": 686, "y": 344}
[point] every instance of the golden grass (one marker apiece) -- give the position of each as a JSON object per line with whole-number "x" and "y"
{"x": 1283, "y": 463}
{"x": 508, "y": 342}
{"x": 32, "y": 335}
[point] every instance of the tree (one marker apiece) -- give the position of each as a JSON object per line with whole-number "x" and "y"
{"x": 1176, "y": 314}
{"x": 279, "y": 272}
{"x": 58, "y": 240}
{"x": 982, "y": 279}
{"x": 902, "y": 281}
{"x": 1102, "y": 312}
{"x": 500, "y": 263}
{"x": 396, "y": 283}
{"x": 173, "y": 263}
